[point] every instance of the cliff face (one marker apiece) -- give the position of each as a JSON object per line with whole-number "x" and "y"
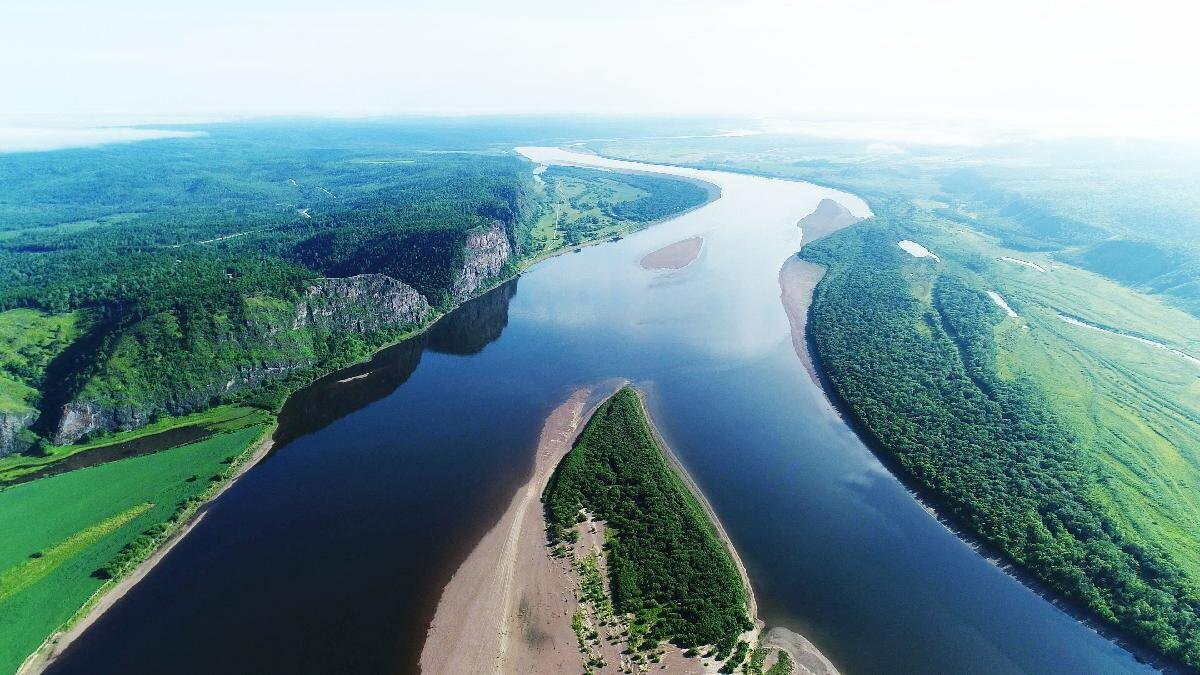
{"x": 362, "y": 304}
{"x": 485, "y": 253}
{"x": 11, "y": 426}
{"x": 276, "y": 340}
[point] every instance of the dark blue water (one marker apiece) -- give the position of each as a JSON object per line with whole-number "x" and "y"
{"x": 330, "y": 555}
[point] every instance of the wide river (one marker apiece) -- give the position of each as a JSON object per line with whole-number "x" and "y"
{"x": 330, "y": 555}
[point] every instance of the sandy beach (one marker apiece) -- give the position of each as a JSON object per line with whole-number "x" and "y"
{"x": 827, "y": 218}
{"x": 798, "y": 278}
{"x": 509, "y": 607}
{"x": 797, "y": 281}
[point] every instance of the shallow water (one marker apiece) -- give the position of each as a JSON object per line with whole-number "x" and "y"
{"x": 329, "y": 556}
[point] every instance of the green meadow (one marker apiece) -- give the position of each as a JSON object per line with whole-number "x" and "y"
{"x": 59, "y": 531}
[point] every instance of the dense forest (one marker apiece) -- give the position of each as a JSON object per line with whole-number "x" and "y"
{"x": 909, "y": 348}
{"x": 185, "y": 262}
{"x": 666, "y": 562}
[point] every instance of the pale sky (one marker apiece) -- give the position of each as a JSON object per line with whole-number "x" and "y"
{"x": 1044, "y": 65}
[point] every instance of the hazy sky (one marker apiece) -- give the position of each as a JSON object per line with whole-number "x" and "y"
{"x": 1044, "y": 64}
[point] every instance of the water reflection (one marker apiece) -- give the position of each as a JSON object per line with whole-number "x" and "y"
{"x": 465, "y": 331}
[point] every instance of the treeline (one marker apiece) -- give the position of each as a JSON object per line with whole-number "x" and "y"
{"x": 187, "y": 315}
{"x": 666, "y": 563}
{"x": 662, "y": 196}
{"x": 921, "y": 378}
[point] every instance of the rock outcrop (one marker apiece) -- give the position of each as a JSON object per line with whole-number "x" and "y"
{"x": 485, "y": 253}
{"x": 362, "y": 304}
{"x": 11, "y": 425}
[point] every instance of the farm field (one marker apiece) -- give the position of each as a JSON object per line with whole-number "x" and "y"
{"x": 61, "y": 530}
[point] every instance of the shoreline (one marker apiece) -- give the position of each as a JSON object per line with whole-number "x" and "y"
{"x": 506, "y": 608}
{"x": 473, "y": 626}
{"x": 798, "y": 307}
{"x": 110, "y": 594}
{"x": 805, "y": 655}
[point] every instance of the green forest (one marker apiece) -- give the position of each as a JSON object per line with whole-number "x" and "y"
{"x": 908, "y": 347}
{"x": 165, "y": 277}
{"x": 666, "y": 563}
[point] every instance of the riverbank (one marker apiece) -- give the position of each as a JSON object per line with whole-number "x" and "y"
{"x": 516, "y": 604}
{"x": 109, "y": 594}
{"x": 807, "y": 658}
{"x": 506, "y": 609}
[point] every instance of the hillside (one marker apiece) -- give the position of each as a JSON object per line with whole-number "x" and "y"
{"x": 169, "y": 277}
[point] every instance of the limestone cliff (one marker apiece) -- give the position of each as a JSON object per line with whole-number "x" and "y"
{"x": 363, "y": 304}
{"x": 485, "y": 253}
{"x": 12, "y": 423}
{"x": 276, "y": 340}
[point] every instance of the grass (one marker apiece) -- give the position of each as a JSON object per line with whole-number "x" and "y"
{"x": 1134, "y": 407}
{"x": 29, "y": 339}
{"x": 60, "y": 530}
{"x": 218, "y": 419}
{"x": 575, "y": 217}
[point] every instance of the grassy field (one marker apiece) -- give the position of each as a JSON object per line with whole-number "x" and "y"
{"x": 219, "y": 419}
{"x": 586, "y": 206}
{"x": 60, "y": 530}
{"x": 1132, "y": 405}
{"x": 575, "y": 214}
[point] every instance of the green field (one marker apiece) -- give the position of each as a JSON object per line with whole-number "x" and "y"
{"x": 214, "y": 420}
{"x": 586, "y": 205}
{"x": 1072, "y": 451}
{"x": 60, "y": 530}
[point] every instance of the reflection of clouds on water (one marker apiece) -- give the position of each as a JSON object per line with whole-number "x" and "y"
{"x": 715, "y": 305}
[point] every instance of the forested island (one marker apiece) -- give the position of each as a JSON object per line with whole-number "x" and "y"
{"x": 607, "y": 560}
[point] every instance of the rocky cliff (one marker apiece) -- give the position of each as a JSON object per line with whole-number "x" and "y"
{"x": 276, "y": 340}
{"x": 485, "y": 253}
{"x": 12, "y": 423}
{"x": 363, "y": 304}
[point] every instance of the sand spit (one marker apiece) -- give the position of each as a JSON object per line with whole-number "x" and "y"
{"x": 798, "y": 278}
{"x": 916, "y": 250}
{"x": 827, "y": 218}
{"x": 1000, "y": 302}
{"x": 508, "y": 607}
{"x": 674, "y": 256}
{"x": 797, "y": 281}
{"x": 513, "y": 605}
{"x": 1023, "y": 262}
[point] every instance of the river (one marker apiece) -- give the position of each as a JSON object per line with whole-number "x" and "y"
{"x": 330, "y": 555}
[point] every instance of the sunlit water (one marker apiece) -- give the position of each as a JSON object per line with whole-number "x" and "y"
{"x": 330, "y": 555}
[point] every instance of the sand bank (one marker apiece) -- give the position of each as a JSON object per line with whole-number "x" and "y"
{"x": 827, "y": 218}
{"x": 797, "y": 281}
{"x": 508, "y": 607}
{"x": 674, "y": 256}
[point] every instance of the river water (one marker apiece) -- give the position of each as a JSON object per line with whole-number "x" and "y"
{"x": 330, "y": 555}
